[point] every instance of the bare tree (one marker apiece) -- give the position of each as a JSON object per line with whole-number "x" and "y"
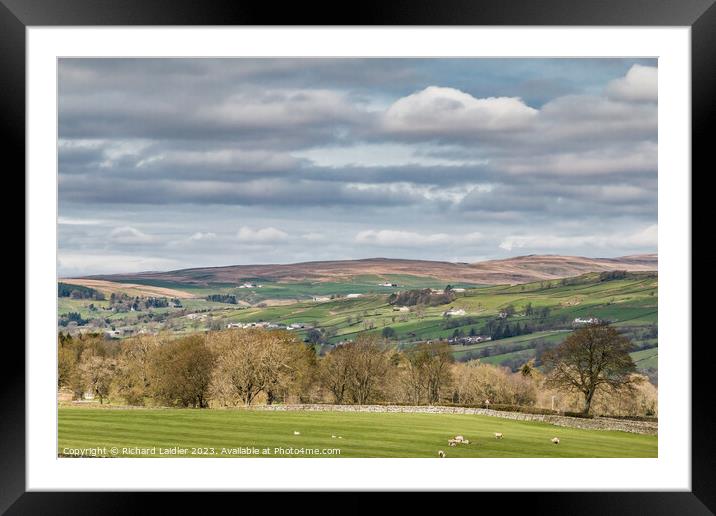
{"x": 97, "y": 373}
{"x": 592, "y": 358}
{"x": 369, "y": 365}
{"x": 437, "y": 370}
{"x": 132, "y": 378}
{"x": 253, "y": 362}
{"x": 334, "y": 372}
{"x": 428, "y": 371}
{"x": 475, "y": 382}
{"x": 180, "y": 372}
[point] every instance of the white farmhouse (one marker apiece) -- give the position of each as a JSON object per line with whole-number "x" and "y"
{"x": 250, "y": 285}
{"x": 589, "y": 320}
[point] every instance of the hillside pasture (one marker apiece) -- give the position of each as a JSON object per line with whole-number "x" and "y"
{"x": 646, "y": 358}
{"x": 629, "y": 303}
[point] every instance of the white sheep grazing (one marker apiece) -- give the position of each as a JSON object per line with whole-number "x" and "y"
{"x": 441, "y": 454}
{"x": 459, "y": 438}
{"x": 555, "y": 440}
{"x": 452, "y": 442}
{"x": 333, "y": 437}
{"x": 466, "y": 442}
{"x": 498, "y": 435}
{"x": 296, "y": 433}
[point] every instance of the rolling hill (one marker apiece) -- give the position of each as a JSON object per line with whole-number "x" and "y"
{"x": 517, "y": 270}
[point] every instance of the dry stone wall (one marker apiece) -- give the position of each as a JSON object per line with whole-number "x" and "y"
{"x": 598, "y": 423}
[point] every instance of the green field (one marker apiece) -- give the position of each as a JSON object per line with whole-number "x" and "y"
{"x": 362, "y": 434}
{"x": 305, "y": 290}
{"x": 646, "y": 358}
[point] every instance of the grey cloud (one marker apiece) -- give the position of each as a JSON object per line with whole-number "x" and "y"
{"x": 162, "y": 150}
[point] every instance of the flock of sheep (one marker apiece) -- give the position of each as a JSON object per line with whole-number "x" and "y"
{"x": 296, "y": 432}
{"x": 459, "y": 439}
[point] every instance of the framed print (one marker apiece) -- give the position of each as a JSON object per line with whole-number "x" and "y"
{"x": 426, "y": 249}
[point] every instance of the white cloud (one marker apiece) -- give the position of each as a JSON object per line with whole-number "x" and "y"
{"x": 202, "y": 236}
{"x": 71, "y": 221}
{"x": 270, "y": 108}
{"x": 648, "y": 237}
{"x": 638, "y": 157}
{"x": 644, "y": 238}
{"x": 198, "y": 240}
{"x": 448, "y": 111}
{"x": 269, "y": 234}
{"x": 129, "y": 235}
{"x": 639, "y": 84}
{"x": 416, "y": 192}
{"x": 383, "y": 155}
{"x": 223, "y": 160}
{"x": 389, "y": 237}
{"x": 75, "y": 263}
{"x": 598, "y": 120}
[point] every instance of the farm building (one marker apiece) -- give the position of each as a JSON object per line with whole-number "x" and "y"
{"x": 299, "y": 326}
{"x": 261, "y": 324}
{"x": 453, "y": 312}
{"x": 588, "y": 320}
{"x": 471, "y": 339}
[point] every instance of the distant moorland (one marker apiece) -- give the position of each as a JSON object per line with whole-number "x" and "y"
{"x": 327, "y": 303}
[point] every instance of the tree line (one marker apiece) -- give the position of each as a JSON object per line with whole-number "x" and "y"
{"x": 78, "y": 292}
{"x": 240, "y": 367}
{"x": 222, "y": 298}
{"x": 422, "y": 297}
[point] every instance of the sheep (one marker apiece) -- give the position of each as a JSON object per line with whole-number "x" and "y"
{"x": 555, "y": 440}
{"x": 340, "y": 437}
{"x": 441, "y": 454}
{"x": 452, "y": 442}
{"x": 466, "y": 442}
{"x": 459, "y": 438}
{"x": 333, "y": 437}
{"x": 296, "y": 433}
{"x": 498, "y": 435}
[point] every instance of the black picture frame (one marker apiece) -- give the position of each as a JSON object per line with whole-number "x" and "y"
{"x": 17, "y": 15}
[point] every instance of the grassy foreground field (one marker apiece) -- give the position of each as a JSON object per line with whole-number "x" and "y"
{"x": 361, "y": 434}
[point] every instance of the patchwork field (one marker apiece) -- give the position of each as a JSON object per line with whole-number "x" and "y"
{"x": 131, "y": 289}
{"x": 546, "y": 308}
{"x": 361, "y": 434}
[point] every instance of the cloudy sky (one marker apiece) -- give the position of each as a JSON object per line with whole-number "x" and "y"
{"x": 173, "y": 163}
